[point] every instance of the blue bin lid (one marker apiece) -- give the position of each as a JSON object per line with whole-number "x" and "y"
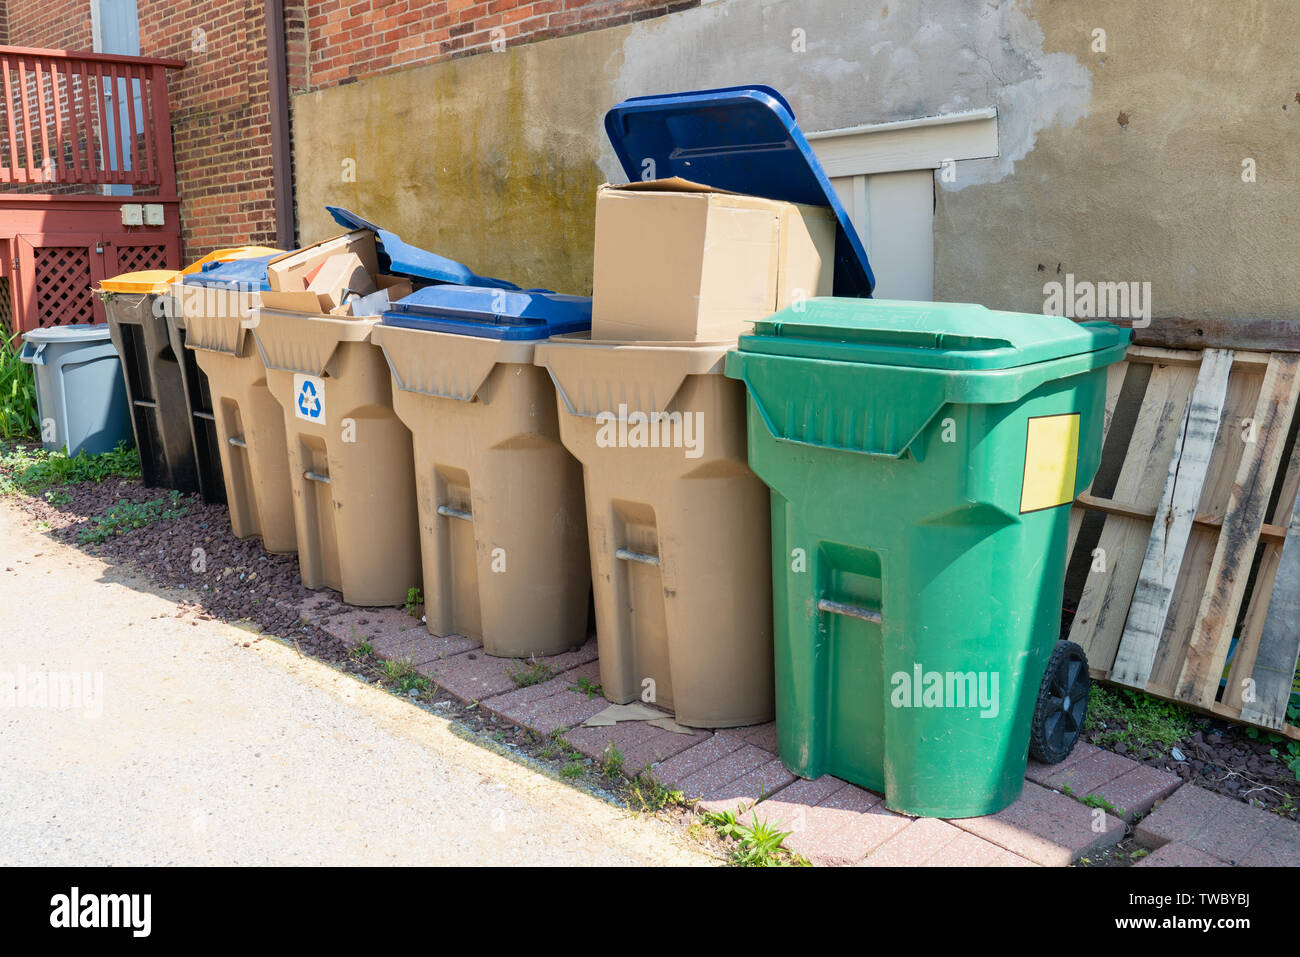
{"x": 739, "y": 138}
{"x": 244, "y": 273}
{"x": 399, "y": 258}
{"x": 491, "y": 313}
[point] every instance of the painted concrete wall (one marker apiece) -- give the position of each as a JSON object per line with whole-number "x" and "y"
{"x": 494, "y": 159}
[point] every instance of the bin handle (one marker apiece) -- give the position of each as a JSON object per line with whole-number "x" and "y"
{"x": 455, "y": 513}
{"x": 33, "y": 353}
{"x": 859, "y": 612}
{"x": 627, "y": 555}
{"x": 316, "y": 477}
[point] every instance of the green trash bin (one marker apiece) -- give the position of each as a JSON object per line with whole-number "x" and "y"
{"x": 922, "y": 458}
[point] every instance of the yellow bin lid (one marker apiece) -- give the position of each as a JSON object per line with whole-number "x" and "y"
{"x": 158, "y": 280}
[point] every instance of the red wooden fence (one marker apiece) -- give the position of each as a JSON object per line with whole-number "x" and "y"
{"x": 88, "y": 118}
{"x": 72, "y": 125}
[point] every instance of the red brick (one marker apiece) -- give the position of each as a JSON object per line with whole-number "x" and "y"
{"x": 640, "y": 744}
{"x": 1179, "y": 855}
{"x": 1046, "y": 827}
{"x": 1222, "y": 827}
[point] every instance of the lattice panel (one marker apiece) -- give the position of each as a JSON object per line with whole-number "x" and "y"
{"x": 6, "y": 310}
{"x": 63, "y": 295}
{"x": 140, "y": 258}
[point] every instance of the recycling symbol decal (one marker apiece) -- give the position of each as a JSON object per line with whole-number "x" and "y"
{"x": 309, "y": 398}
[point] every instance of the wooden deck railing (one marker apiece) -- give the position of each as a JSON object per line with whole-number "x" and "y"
{"x": 71, "y": 118}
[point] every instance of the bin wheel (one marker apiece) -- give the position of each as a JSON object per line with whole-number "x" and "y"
{"x": 1062, "y": 703}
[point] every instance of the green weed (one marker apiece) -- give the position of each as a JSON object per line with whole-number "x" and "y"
{"x": 125, "y": 516}
{"x": 17, "y": 391}
{"x": 25, "y": 470}
{"x": 402, "y": 676}
{"x": 414, "y": 599}
{"x": 652, "y": 796}
{"x": 1147, "y": 726}
{"x": 532, "y": 673}
{"x": 586, "y": 686}
{"x": 759, "y": 844}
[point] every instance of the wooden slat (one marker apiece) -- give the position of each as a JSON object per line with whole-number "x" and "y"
{"x": 1269, "y": 647}
{"x": 1243, "y": 396}
{"x": 146, "y": 101}
{"x": 1229, "y": 572}
{"x": 1103, "y": 604}
{"x": 70, "y": 76}
{"x": 102, "y": 170}
{"x": 128, "y": 148}
{"x": 1114, "y": 386}
{"x": 27, "y": 118}
{"x": 16, "y": 172}
{"x": 88, "y": 111}
{"x": 1172, "y": 522}
{"x": 42, "y": 108}
{"x": 60, "y": 165}
{"x": 1192, "y": 357}
{"x": 163, "y": 139}
{"x": 1261, "y": 335}
{"x": 1269, "y": 533}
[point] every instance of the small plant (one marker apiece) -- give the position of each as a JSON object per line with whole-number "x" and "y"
{"x": 611, "y": 763}
{"x": 1146, "y": 726}
{"x": 403, "y": 677}
{"x": 586, "y": 686}
{"x": 125, "y": 516}
{"x": 554, "y": 745}
{"x": 414, "y": 599}
{"x": 1290, "y": 757}
{"x": 532, "y": 673}
{"x": 18, "y": 415}
{"x": 759, "y": 844}
{"x": 58, "y": 498}
{"x": 651, "y": 795}
{"x": 32, "y": 470}
{"x": 362, "y": 649}
{"x": 1096, "y": 800}
{"x": 571, "y": 770}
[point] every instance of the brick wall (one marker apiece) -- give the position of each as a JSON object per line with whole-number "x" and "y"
{"x": 355, "y": 38}
{"x": 219, "y": 102}
{"x": 50, "y": 24}
{"x": 220, "y": 112}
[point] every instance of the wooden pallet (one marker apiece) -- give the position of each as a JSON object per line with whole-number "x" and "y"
{"x": 1190, "y": 534}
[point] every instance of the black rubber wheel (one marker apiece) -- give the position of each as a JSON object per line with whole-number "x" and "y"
{"x": 1062, "y": 703}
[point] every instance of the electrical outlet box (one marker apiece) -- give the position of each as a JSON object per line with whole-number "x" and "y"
{"x": 153, "y": 214}
{"x": 132, "y": 214}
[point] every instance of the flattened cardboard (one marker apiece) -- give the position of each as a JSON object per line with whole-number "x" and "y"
{"x": 299, "y": 301}
{"x": 340, "y": 274}
{"x": 288, "y": 273}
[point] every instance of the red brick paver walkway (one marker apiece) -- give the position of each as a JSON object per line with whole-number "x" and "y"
{"x": 832, "y": 822}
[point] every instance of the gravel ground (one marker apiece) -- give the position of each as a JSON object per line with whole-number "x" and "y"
{"x": 241, "y": 581}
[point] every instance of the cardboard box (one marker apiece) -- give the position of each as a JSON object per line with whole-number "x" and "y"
{"x": 679, "y": 261}
{"x": 342, "y": 274}
{"x": 288, "y": 273}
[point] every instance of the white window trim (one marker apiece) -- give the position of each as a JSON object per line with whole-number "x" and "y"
{"x": 900, "y": 145}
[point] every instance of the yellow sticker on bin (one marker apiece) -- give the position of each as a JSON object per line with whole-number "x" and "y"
{"x": 1051, "y": 462}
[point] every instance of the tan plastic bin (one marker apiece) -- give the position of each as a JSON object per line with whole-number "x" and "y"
{"x": 503, "y": 530}
{"x": 214, "y": 323}
{"x": 679, "y": 533}
{"x": 350, "y": 464}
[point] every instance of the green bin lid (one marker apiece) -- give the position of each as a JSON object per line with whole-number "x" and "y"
{"x": 926, "y": 335}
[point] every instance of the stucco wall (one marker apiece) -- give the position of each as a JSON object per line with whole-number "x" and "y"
{"x": 494, "y": 158}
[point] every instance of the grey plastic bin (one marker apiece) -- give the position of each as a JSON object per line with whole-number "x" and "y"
{"x": 80, "y": 395}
